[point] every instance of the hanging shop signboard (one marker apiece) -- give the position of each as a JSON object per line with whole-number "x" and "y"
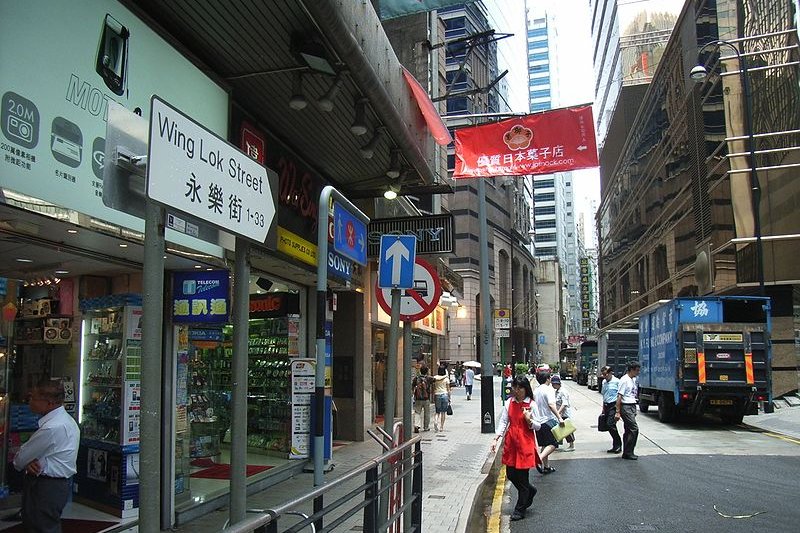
{"x": 200, "y": 297}
{"x": 543, "y": 143}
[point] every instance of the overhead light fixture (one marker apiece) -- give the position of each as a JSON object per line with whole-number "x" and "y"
{"x": 698, "y": 73}
{"x": 312, "y": 54}
{"x": 298, "y": 100}
{"x": 368, "y": 150}
{"x": 23, "y": 260}
{"x": 394, "y": 165}
{"x": 73, "y": 231}
{"x": 359, "y": 125}
{"x": 123, "y": 245}
{"x": 325, "y": 102}
{"x": 61, "y": 272}
{"x": 391, "y": 192}
{"x": 198, "y": 266}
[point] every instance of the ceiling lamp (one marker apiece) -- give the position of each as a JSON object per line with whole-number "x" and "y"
{"x": 298, "y": 100}
{"x": 391, "y": 192}
{"x": 394, "y": 165}
{"x": 359, "y": 125}
{"x": 325, "y": 102}
{"x": 368, "y": 150}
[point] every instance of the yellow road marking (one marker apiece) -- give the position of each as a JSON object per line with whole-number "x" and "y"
{"x": 782, "y": 437}
{"x": 497, "y": 503}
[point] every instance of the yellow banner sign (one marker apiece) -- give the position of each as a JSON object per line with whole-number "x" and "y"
{"x": 297, "y": 247}
{"x": 722, "y": 337}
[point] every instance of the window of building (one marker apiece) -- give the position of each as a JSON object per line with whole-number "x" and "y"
{"x": 541, "y": 93}
{"x": 547, "y": 210}
{"x": 538, "y": 32}
{"x": 541, "y": 56}
{"x": 543, "y": 184}
{"x": 544, "y": 224}
{"x": 457, "y": 105}
{"x": 540, "y": 106}
{"x": 545, "y": 237}
{"x": 544, "y": 197}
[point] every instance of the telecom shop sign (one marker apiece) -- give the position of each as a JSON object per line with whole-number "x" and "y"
{"x": 434, "y": 233}
{"x": 200, "y": 297}
{"x": 195, "y": 171}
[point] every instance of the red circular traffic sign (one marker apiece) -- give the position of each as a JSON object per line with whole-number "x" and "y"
{"x": 418, "y": 302}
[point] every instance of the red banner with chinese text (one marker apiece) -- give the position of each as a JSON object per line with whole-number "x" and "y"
{"x": 553, "y": 141}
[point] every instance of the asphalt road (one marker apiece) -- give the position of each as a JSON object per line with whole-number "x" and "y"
{"x": 684, "y": 470}
{"x": 675, "y": 493}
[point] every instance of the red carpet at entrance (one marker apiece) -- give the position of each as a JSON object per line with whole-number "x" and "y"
{"x": 223, "y": 471}
{"x": 72, "y": 525}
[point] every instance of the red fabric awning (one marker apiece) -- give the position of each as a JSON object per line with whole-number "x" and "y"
{"x": 435, "y": 123}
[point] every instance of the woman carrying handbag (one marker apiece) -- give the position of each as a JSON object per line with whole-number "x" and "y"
{"x": 520, "y": 450}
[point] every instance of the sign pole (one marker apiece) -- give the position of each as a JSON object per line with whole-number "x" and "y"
{"x": 241, "y": 315}
{"x": 150, "y": 429}
{"x": 390, "y": 395}
{"x": 487, "y": 373}
{"x": 408, "y": 424}
{"x": 357, "y": 221}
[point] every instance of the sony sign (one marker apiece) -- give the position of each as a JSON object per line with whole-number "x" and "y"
{"x": 434, "y": 233}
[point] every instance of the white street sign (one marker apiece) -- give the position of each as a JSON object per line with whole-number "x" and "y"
{"x": 502, "y": 323}
{"x": 193, "y": 170}
{"x": 499, "y": 333}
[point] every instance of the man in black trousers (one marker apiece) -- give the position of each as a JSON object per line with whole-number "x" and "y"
{"x": 47, "y": 459}
{"x": 626, "y": 409}
{"x": 609, "y": 390}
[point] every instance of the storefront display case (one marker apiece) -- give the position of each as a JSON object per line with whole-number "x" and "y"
{"x": 111, "y": 354}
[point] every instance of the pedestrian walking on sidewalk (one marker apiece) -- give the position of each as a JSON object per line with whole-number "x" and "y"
{"x": 518, "y": 424}
{"x": 469, "y": 380}
{"x": 609, "y": 390}
{"x": 441, "y": 396}
{"x": 626, "y": 409}
{"x": 421, "y": 385}
{"x": 546, "y": 415}
{"x": 564, "y": 408}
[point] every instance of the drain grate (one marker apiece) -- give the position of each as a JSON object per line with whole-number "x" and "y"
{"x": 436, "y": 497}
{"x": 640, "y": 527}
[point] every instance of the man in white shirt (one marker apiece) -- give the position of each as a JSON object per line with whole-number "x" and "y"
{"x": 469, "y": 380}
{"x": 627, "y": 395}
{"x": 47, "y": 459}
{"x": 546, "y": 416}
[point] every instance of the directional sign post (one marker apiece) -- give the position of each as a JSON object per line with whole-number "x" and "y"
{"x": 396, "y": 261}
{"x": 195, "y": 171}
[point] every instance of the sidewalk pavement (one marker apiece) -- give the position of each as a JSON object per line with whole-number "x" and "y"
{"x": 453, "y": 462}
{"x": 784, "y": 421}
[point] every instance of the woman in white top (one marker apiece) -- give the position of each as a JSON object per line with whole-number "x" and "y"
{"x": 441, "y": 397}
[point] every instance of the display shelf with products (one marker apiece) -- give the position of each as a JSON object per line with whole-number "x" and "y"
{"x": 111, "y": 354}
{"x": 269, "y": 386}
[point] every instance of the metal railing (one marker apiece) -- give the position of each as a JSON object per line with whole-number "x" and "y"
{"x": 384, "y": 476}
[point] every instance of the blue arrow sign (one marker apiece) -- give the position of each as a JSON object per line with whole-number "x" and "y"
{"x": 349, "y": 235}
{"x": 396, "y": 261}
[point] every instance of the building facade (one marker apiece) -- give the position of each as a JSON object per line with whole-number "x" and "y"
{"x": 682, "y": 211}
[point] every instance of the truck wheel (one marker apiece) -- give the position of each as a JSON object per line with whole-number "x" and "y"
{"x": 644, "y": 406}
{"x": 666, "y": 410}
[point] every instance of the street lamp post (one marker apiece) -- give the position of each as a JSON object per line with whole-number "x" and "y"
{"x": 699, "y": 73}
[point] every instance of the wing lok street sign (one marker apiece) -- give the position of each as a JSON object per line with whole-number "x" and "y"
{"x": 418, "y": 302}
{"x": 194, "y": 171}
{"x": 396, "y": 261}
